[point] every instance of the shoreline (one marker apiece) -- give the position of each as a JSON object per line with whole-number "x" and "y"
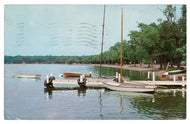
{"x": 143, "y": 68}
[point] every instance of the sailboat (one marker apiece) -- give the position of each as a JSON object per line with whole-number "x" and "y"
{"x": 119, "y": 85}
{"x": 129, "y": 87}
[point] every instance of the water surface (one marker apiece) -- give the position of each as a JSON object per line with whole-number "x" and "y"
{"x": 28, "y": 99}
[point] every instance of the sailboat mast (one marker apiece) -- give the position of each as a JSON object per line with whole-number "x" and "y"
{"x": 102, "y": 42}
{"x": 121, "y": 43}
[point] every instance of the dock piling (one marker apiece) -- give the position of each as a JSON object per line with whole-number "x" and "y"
{"x": 81, "y": 77}
{"x": 174, "y": 78}
{"x": 183, "y": 78}
{"x": 153, "y": 76}
{"x": 148, "y": 75}
{"x": 116, "y": 75}
{"x": 119, "y": 78}
{"x": 183, "y": 81}
{"x": 47, "y": 78}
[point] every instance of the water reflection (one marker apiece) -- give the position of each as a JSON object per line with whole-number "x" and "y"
{"x": 121, "y": 104}
{"x": 150, "y": 106}
{"x": 81, "y": 91}
{"x": 133, "y": 75}
{"x": 163, "y": 104}
{"x": 124, "y": 102}
{"x": 24, "y": 97}
{"x": 101, "y": 106}
{"x": 48, "y": 92}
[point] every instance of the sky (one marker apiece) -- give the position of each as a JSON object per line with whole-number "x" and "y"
{"x": 71, "y": 30}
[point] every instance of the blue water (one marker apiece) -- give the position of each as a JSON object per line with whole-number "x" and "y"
{"x": 28, "y": 99}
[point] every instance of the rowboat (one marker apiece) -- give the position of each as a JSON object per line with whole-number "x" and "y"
{"x": 174, "y": 72}
{"x": 67, "y": 84}
{"x": 51, "y": 82}
{"x": 129, "y": 87}
{"x": 29, "y": 76}
{"x": 70, "y": 74}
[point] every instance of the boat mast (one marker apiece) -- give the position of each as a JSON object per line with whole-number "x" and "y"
{"x": 121, "y": 43}
{"x": 102, "y": 42}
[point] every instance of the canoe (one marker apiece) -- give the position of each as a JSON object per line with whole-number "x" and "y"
{"x": 128, "y": 87}
{"x": 29, "y": 76}
{"x": 174, "y": 72}
{"x": 69, "y": 74}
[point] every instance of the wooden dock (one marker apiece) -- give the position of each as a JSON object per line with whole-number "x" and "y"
{"x": 165, "y": 83}
{"x": 97, "y": 82}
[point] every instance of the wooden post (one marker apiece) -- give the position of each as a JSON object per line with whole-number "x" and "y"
{"x": 183, "y": 81}
{"x": 174, "y": 78}
{"x": 121, "y": 42}
{"x": 116, "y": 75}
{"x": 47, "y": 78}
{"x": 153, "y": 76}
{"x": 183, "y": 78}
{"x": 102, "y": 42}
{"x": 148, "y": 75}
{"x": 81, "y": 76}
{"x": 119, "y": 79}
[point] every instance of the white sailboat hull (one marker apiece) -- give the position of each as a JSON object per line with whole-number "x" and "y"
{"x": 65, "y": 84}
{"x": 128, "y": 87}
{"x": 29, "y": 76}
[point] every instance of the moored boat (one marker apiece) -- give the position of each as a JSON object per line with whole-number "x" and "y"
{"x": 174, "y": 72}
{"x": 51, "y": 82}
{"x": 128, "y": 87}
{"x": 65, "y": 84}
{"x": 29, "y": 76}
{"x": 70, "y": 74}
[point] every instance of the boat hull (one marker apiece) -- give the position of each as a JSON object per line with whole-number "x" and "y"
{"x": 65, "y": 84}
{"x": 175, "y": 72}
{"x": 129, "y": 88}
{"x": 76, "y": 75}
{"x": 35, "y": 76}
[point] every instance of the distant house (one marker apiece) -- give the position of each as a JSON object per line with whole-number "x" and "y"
{"x": 23, "y": 62}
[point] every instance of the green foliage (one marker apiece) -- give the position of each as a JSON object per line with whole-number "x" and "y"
{"x": 45, "y": 59}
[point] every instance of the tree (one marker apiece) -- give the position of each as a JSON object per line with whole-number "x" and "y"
{"x": 173, "y": 33}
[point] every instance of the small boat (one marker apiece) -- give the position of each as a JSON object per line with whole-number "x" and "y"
{"x": 29, "y": 76}
{"x": 175, "y": 72}
{"x": 70, "y": 74}
{"x": 51, "y": 82}
{"x": 65, "y": 84}
{"x": 129, "y": 87}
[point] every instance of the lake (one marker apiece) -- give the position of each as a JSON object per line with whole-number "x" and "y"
{"x": 28, "y": 99}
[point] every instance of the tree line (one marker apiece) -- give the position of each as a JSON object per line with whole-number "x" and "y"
{"x": 44, "y": 59}
{"x": 163, "y": 43}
